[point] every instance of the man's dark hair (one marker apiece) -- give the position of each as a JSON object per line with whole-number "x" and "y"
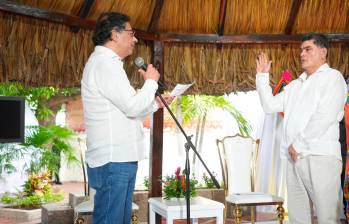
{"x": 106, "y": 23}
{"x": 320, "y": 40}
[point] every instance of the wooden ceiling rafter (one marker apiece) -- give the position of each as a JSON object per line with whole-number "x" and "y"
{"x": 85, "y": 8}
{"x": 296, "y": 4}
{"x": 154, "y": 21}
{"x": 48, "y": 15}
{"x": 245, "y": 39}
{"x": 222, "y": 14}
{"x": 84, "y": 11}
{"x": 69, "y": 20}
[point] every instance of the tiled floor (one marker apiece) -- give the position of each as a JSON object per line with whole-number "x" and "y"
{"x": 69, "y": 187}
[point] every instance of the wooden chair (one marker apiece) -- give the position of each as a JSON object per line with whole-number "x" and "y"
{"x": 238, "y": 157}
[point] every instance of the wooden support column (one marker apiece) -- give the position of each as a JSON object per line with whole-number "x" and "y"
{"x": 156, "y": 132}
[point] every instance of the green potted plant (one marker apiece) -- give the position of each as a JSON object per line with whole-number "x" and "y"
{"x": 37, "y": 191}
{"x": 174, "y": 185}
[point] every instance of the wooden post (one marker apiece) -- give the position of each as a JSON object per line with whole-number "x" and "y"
{"x": 156, "y": 134}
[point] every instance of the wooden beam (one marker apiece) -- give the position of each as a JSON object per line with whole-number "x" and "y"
{"x": 83, "y": 12}
{"x": 293, "y": 14}
{"x": 85, "y": 8}
{"x": 232, "y": 39}
{"x": 144, "y": 35}
{"x": 155, "y": 166}
{"x": 153, "y": 24}
{"x": 157, "y": 132}
{"x": 155, "y": 162}
{"x": 222, "y": 13}
{"x": 21, "y": 9}
{"x": 245, "y": 39}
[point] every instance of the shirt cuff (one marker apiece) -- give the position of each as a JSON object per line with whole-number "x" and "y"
{"x": 151, "y": 83}
{"x": 262, "y": 77}
{"x": 299, "y": 144}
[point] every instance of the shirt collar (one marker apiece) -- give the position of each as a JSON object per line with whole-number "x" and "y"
{"x": 322, "y": 68}
{"x": 107, "y": 51}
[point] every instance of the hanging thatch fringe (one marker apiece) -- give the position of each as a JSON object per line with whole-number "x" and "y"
{"x": 217, "y": 70}
{"x": 37, "y": 52}
{"x": 42, "y": 53}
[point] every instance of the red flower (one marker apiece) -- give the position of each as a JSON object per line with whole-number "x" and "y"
{"x": 178, "y": 171}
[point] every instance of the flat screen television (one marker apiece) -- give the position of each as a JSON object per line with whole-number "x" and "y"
{"x": 12, "y": 111}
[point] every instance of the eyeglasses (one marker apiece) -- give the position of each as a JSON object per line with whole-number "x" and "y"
{"x": 132, "y": 32}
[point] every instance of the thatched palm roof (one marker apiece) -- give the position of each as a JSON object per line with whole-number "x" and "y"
{"x": 212, "y": 42}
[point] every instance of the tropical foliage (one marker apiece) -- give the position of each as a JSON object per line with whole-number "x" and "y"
{"x": 198, "y": 106}
{"x": 208, "y": 180}
{"x": 49, "y": 142}
{"x": 38, "y": 98}
{"x": 191, "y": 107}
{"x": 146, "y": 183}
{"x": 8, "y": 154}
{"x": 43, "y": 145}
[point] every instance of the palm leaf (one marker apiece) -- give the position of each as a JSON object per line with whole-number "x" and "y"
{"x": 195, "y": 106}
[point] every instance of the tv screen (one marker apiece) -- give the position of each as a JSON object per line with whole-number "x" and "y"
{"x": 12, "y": 110}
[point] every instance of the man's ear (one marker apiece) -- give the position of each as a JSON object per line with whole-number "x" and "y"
{"x": 114, "y": 35}
{"x": 324, "y": 53}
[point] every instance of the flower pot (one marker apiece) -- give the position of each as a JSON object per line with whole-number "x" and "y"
{"x": 20, "y": 215}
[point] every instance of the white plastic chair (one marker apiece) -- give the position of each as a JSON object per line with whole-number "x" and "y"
{"x": 238, "y": 156}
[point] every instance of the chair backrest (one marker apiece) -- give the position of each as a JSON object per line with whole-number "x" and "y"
{"x": 238, "y": 156}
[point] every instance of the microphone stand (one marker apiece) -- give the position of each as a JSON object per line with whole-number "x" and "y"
{"x": 187, "y": 146}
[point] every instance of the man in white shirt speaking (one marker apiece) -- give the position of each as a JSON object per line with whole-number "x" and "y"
{"x": 113, "y": 113}
{"x": 313, "y": 106}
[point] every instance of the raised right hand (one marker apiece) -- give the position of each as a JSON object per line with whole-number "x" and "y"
{"x": 263, "y": 64}
{"x": 151, "y": 73}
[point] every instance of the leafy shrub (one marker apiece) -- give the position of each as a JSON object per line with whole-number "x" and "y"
{"x": 174, "y": 185}
{"x": 37, "y": 191}
{"x": 208, "y": 180}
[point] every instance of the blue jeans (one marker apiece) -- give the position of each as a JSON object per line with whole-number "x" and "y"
{"x": 114, "y": 184}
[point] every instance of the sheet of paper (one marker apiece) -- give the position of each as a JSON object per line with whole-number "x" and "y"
{"x": 180, "y": 89}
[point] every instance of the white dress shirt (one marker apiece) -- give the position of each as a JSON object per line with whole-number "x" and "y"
{"x": 113, "y": 110}
{"x": 313, "y": 107}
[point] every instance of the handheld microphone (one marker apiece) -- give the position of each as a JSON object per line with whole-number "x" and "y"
{"x": 139, "y": 62}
